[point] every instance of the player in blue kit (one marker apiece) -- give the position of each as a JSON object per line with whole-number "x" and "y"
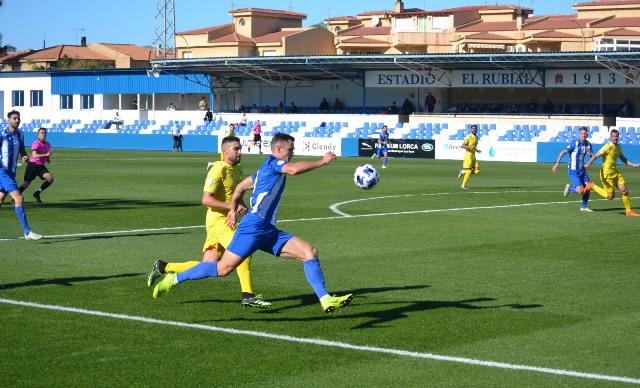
{"x": 580, "y": 182}
{"x": 11, "y": 147}
{"x": 382, "y": 146}
{"x": 257, "y": 230}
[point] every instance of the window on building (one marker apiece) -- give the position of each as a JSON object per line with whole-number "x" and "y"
{"x": 66, "y": 101}
{"x": 187, "y": 54}
{"x": 86, "y": 101}
{"x": 617, "y": 45}
{"x": 17, "y": 98}
{"x": 36, "y": 98}
{"x": 405, "y": 25}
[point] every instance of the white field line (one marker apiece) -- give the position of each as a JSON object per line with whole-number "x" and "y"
{"x": 335, "y": 344}
{"x": 333, "y": 207}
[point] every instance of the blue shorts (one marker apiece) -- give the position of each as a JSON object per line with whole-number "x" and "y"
{"x": 578, "y": 178}
{"x": 254, "y": 233}
{"x": 382, "y": 150}
{"x": 7, "y": 181}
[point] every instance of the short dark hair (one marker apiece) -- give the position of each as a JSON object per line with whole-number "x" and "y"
{"x": 42, "y": 129}
{"x": 474, "y": 125}
{"x": 614, "y": 130}
{"x": 13, "y": 112}
{"x": 281, "y": 138}
{"x": 229, "y": 139}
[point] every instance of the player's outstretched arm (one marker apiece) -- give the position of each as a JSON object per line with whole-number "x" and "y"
{"x": 628, "y": 162}
{"x": 592, "y": 159}
{"x": 304, "y": 166}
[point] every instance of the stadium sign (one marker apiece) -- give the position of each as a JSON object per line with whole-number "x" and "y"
{"x": 309, "y": 146}
{"x": 566, "y": 78}
{"x": 503, "y": 151}
{"x": 399, "y": 148}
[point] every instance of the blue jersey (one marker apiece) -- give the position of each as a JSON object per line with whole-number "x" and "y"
{"x": 577, "y": 151}
{"x": 269, "y": 184}
{"x": 384, "y": 136}
{"x": 11, "y": 146}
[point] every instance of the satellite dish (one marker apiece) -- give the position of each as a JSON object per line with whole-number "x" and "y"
{"x": 375, "y": 21}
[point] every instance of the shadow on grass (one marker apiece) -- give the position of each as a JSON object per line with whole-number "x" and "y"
{"x": 622, "y": 210}
{"x": 375, "y": 318}
{"x": 64, "y": 281}
{"x": 106, "y": 235}
{"x": 111, "y": 204}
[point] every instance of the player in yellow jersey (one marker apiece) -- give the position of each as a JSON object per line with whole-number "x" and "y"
{"x": 609, "y": 174}
{"x": 221, "y": 182}
{"x": 470, "y": 164}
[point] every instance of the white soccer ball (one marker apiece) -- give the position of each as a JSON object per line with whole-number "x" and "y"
{"x": 366, "y": 176}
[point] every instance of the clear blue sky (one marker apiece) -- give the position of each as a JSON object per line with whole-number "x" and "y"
{"x": 28, "y": 23}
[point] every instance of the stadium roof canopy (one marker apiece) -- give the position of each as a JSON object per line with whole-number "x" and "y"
{"x": 296, "y": 70}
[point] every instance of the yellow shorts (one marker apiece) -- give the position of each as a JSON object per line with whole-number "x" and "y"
{"x": 610, "y": 183}
{"x": 219, "y": 236}
{"x": 470, "y": 163}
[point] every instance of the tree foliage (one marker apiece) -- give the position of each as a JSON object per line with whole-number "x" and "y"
{"x": 67, "y": 63}
{"x": 5, "y": 49}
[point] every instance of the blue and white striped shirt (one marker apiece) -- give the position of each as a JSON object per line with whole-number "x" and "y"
{"x": 10, "y": 145}
{"x": 577, "y": 151}
{"x": 269, "y": 184}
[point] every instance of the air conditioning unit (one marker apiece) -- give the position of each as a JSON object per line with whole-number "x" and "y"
{"x": 510, "y": 49}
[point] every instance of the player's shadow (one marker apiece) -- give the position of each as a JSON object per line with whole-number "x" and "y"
{"x": 64, "y": 281}
{"x": 622, "y": 210}
{"x": 111, "y": 204}
{"x": 294, "y": 302}
{"x": 383, "y": 317}
{"x": 53, "y": 240}
{"x": 375, "y": 319}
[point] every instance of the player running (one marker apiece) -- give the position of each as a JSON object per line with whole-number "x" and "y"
{"x": 469, "y": 164}
{"x": 580, "y": 182}
{"x": 40, "y": 156}
{"x": 257, "y": 230}
{"x": 609, "y": 174}
{"x": 12, "y": 146}
{"x": 221, "y": 181}
{"x": 382, "y": 146}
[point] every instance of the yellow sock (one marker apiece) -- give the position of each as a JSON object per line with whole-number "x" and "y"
{"x": 467, "y": 175}
{"x": 600, "y": 191}
{"x": 244, "y": 274}
{"x": 627, "y": 202}
{"x": 179, "y": 267}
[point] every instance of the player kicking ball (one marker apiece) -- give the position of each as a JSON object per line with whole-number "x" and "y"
{"x": 257, "y": 230}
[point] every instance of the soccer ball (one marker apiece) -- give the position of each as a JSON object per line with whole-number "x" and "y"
{"x": 366, "y": 176}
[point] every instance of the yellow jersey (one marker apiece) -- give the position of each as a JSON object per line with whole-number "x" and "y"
{"x": 610, "y": 153}
{"x": 221, "y": 181}
{"x": 472, "y": 141}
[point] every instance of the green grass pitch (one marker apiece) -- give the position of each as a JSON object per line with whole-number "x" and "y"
{"x": 505, "y": 284}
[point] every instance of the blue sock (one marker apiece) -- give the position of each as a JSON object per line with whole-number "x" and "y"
{"x": 207, "y": 269}
{"x": 314, "y": 275}
{"x": 585, "y": 198}
{"x": 384, "y": 161}
{"x": 22, "y": 216}
{"x": 572, "y": 189}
